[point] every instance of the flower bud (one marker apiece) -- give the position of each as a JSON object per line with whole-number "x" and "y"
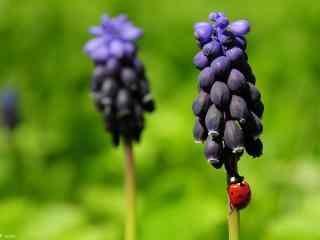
{"x": 199, "y": 132}
{"x": 203, "y": 32}
{"x": 129, "y": 78}
{"x": 116, "y": 48}
{"x": 221, "y": 66}
{"x": 139, "y": 68}
{"x": 236, "y": 81}
{"x": 148, "y": 103}
{"x": 109, "y": 88}
{"x": 255, "y": 95}
{"x": 241, "y": 42}
{"x": 246, "y": 70}
{"x": 220, "y": 95}
{"x": 254, "y": 147}
{"x": 236, "y": 55}
{"x": 112, "y": 67}
{"x": 212, "y": 49}
{"x": 123, "y": 103}
{"x": 240, "y": 27}
{"x": 233, "y": 137}
{"x": 253, "y": 126}
{"x": 129, "y": 51}
{"x": 258, "y": 109}
{"x": 220, "y": 19}
{"x": 98, "y": 76}
{"x": 201, "y": 105}
{"x": 200, "y": 60}
{"x": 239, "y": 109}
{"x": 213, "y": 152}
{"x": 206, "y": 79}
{"x": 214, "y": 121}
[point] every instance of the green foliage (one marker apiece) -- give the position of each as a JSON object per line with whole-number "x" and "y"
{"x": 71, "y": 186}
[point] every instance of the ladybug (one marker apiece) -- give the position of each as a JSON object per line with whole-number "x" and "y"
{"x": 239, "y": 194}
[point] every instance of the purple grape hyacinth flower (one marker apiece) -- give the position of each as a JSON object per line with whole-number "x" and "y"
{"x": 120, "y": 87}
{"x": 228, "y": 109}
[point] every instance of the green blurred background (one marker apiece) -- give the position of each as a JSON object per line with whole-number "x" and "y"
{"x": 71, "y": 186}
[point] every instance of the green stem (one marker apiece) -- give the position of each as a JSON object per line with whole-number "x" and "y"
{"x": 17, "y": 161}
{"x": 234, "y": 223}
{"x": 130, "y": 227}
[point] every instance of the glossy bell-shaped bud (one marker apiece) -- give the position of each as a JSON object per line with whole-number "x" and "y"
{"x": 129, "y": 78}
{"x": 214, "y": 121}
{"x": 206, "y": 79}
{"x": 236, "y": 55}
{"x": 236, "y": 81}
{"x": 255, "y": 94}
{"x": 109, "y": 88}
{"x": 139, "y": 68}
{"x": 241, "y": 42}
{"x": 199, "y": 132}
{"x": 213, "y": 152}
{"x": 220, "y": 95}
{"x": 98, "y": 77}
{"x": 123, "y": 103}
{"x": 254, "y": 147}
{"x": 239, "y": 109}
{"x": 240, "y": 27}
{"x": 203, "y": 32}
{"x": 148, "y": 103}
{"x": 253, "y": 126}
{"x": 212, "y": 49}
{"x": 258, "y": 109}
{"x": 221, "y": 66}
{"x": 112, "y": 67}
{"x": 201, "y": 105}
{"x": 233, "y": 137}
{"x": 200, "y": 60}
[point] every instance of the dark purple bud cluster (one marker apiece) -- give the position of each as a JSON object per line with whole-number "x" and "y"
{"x": 228, "y": 109}
{"x": 9, "y": 109}
{"x": 120, "y": 87}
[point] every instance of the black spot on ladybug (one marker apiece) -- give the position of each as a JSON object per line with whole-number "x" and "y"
{"x": 239, "y": 196}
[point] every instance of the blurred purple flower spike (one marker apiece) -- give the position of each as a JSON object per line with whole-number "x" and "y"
{"x": 115, "y": 37}
{"x": 120, "y": 86}
{"x": 9, "y": 109}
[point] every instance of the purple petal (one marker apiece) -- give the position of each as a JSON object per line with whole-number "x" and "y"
{"x": 130, "y": 33}
{"x": 220, "y": 19}
{"x": 116, "y": 48}
{"x": 105, "y": 20}
{"x": 122, "y": 18}
{"x": 129, "y": 49}
{"x": 100, "y": 54}
{"x": 96, "y": 31}
{"x": 240, "y": 27}
{"x": 203, "y": 32}
{"x": 200, "y": 61}
{"x": 93, "y": 44}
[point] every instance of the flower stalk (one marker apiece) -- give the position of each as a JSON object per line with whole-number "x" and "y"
{"x": 233, "y": 222}
{"x": 130, "y": 227}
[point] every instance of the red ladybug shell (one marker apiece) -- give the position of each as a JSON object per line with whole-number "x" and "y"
{"x": 239, "y": 194}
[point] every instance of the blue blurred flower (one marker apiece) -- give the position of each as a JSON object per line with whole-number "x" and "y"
{"x": 9, "y": 109}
